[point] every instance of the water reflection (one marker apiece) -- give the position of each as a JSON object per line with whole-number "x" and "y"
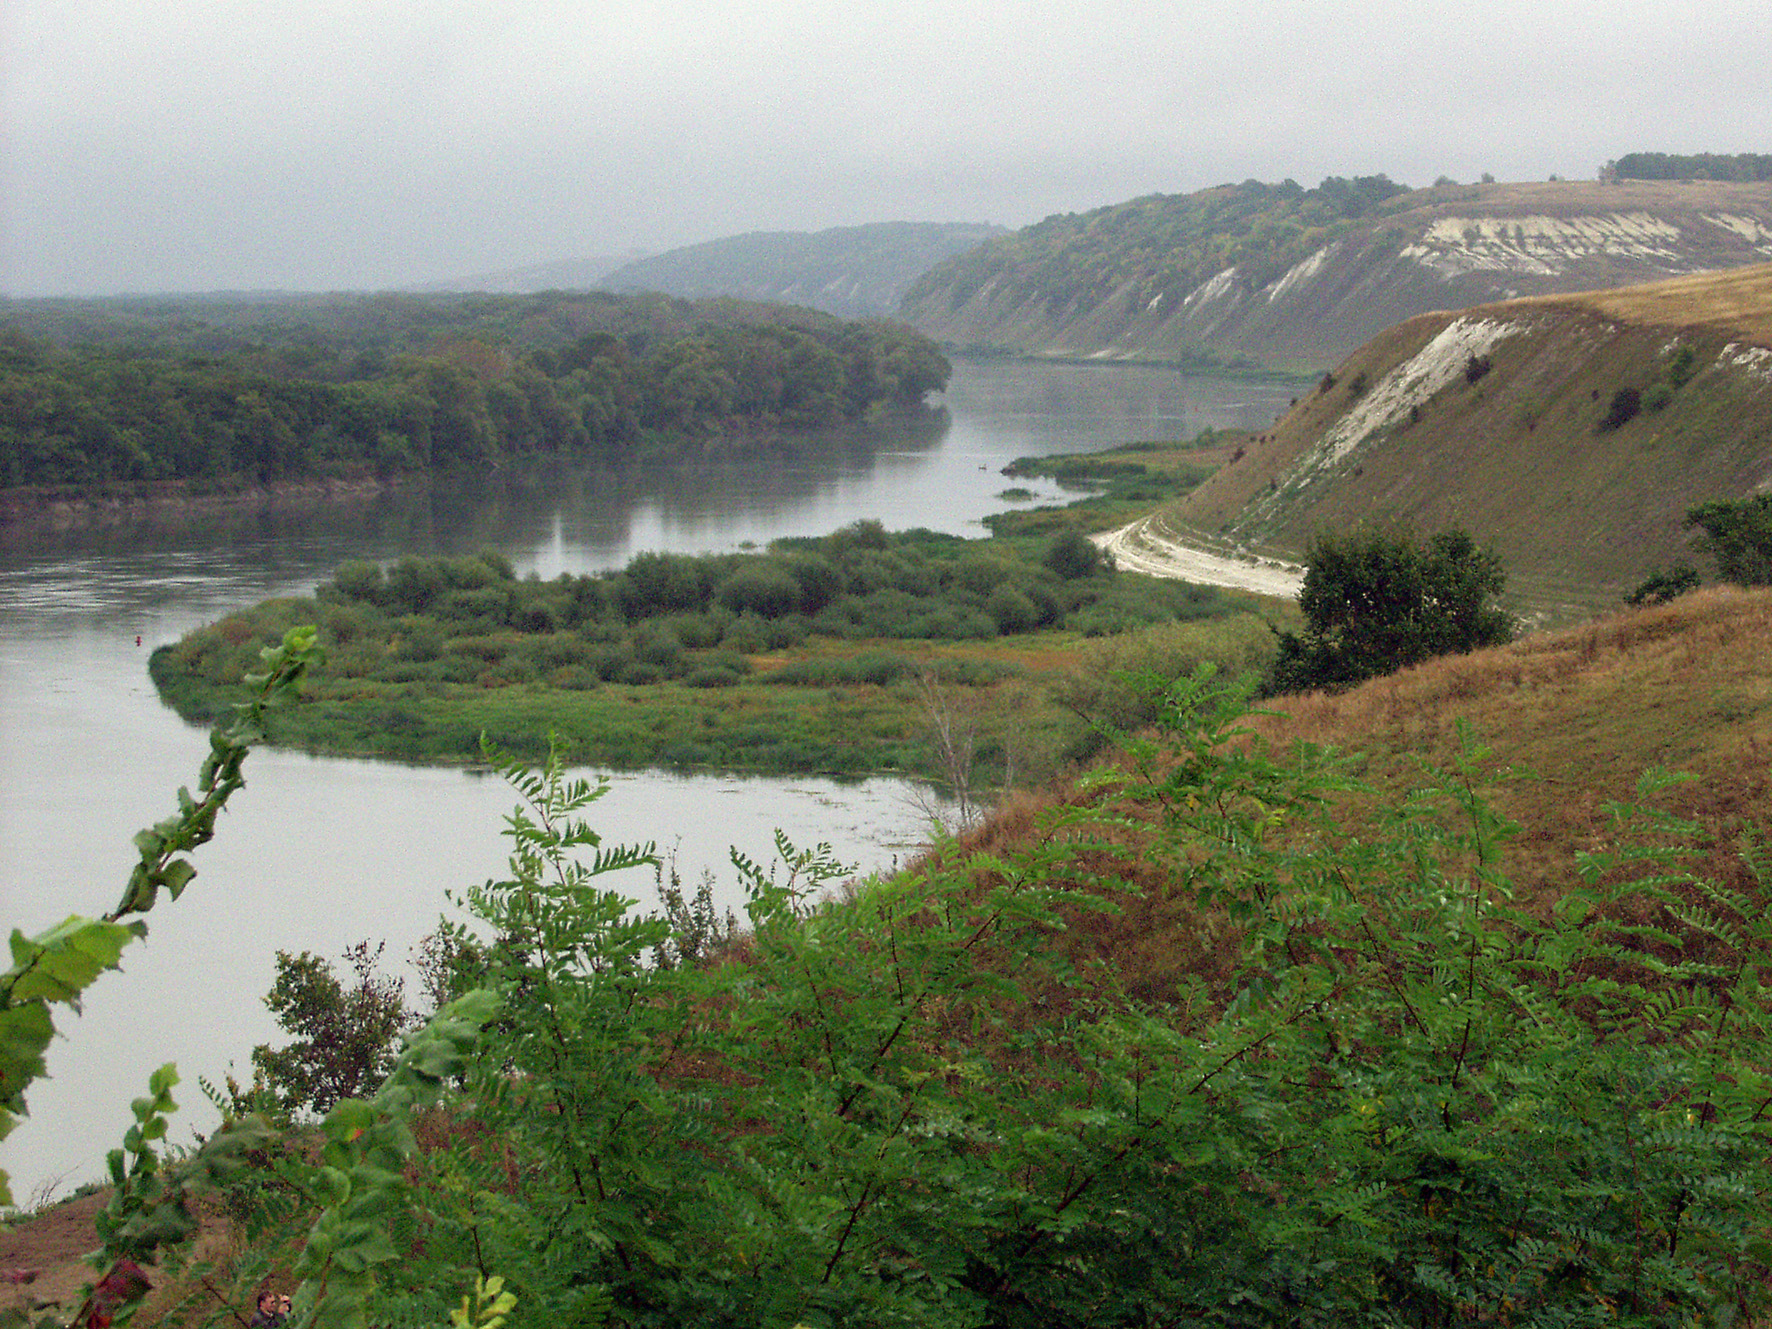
{"x": 318, "y": 853}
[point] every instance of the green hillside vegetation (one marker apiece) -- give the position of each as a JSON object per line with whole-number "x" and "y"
{"x": 822, "y": 655}
{"x": 1572, "y": 433}
{"x": 1293, "y": 279}
{"x": 218, "y": 394}
{"x": 1161, "y": 247}
{"x": 1410, "y": 1005}
{"x": 851, "y": 271}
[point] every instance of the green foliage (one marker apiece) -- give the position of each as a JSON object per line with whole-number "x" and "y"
{"x": 1072, "y": 555}
{"x": 1375, "y": 602}
{"x": 1661, "y": 586}
{"x": 491, "y": 652}
{"x": 1691, "y": 166}
{"x": 1402, "y": 1101}
{"x": 150, "y": 400}
{"x": 1407, "y": 1101}
{"x": 1737, "y": 533}
{"x": 344, "y": 1037}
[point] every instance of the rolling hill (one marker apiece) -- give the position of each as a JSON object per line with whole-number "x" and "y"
{"x": 1571, "y": 431}
{"x": 1282, "y": 277}
{"x": 850, "y": 271}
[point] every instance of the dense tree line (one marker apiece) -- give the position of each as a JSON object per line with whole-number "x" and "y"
{"x": 1744, "y": 166}
{"x": 189, "y": 400}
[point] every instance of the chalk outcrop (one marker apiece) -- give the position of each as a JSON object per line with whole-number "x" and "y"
{"x": 1128, "y": 297}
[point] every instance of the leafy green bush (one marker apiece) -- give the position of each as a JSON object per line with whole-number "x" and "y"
{"x": 344, "y": 1034}
{"x": 1737, "y": 533}
{"x": 1661, "y": 586}
{"x": 1071, "y": 555}
{"x": 1375, "y": 602}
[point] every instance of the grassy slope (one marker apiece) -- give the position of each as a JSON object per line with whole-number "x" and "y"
{"x": 1579, "y": 714}
{"x": 1579, "y": 516}
{"x": 1137, "y": 280}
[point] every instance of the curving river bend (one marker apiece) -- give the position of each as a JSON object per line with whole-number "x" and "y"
{"x": 317, "y": 853}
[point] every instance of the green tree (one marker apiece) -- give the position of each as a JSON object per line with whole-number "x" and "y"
{"x": 1072, "y": 555}
{"x": 1738, "y": 534}
{"x": 1376, "y": 601}
{"x": 345, "y": 1035}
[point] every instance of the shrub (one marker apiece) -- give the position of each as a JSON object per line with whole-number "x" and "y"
{"x": 663, "y": 584}
{"x": 1738, "y": 534}
{"x": 1011, "y": 611}
{"x": 712, "y": 676}
{"x": 1376, "y": 602}
{"x": 359, "y": 580}
{"x": 1659, "y": 587}
{"x": 344, "y": 1036}
{"x": 1682, "y": 365}
{"x": 1073, "y": 555}
{"x": 1626, "y": 402}
{"x": 764, "y": 588}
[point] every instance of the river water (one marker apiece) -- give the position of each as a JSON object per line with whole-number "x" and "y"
{"x": 317, "y": 853}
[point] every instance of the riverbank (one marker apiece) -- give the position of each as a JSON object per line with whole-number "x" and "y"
{"x": 61, "y": 507}
{"x": 861, "y": 652}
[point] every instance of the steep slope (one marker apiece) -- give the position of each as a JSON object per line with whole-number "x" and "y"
{"x": 1503, "y": 419}
{"x": 851, "y": 271}
{"x": 1282, "y": 277}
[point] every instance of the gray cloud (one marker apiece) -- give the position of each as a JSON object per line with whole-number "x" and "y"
{"x": 324, "y": 144}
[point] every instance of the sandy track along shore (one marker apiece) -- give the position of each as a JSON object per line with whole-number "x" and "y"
{"x": 1146, "y": 546}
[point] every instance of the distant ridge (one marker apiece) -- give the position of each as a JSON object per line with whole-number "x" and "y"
{"x": 850, "y": 271}
{"x": 1283, "y": 277}
{"x": 568, "y": 274}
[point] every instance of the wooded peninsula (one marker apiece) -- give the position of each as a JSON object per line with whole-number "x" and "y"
{"x": 229, "y": 393}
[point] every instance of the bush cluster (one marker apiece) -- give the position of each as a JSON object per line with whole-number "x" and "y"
{"x": 697, "y": 619}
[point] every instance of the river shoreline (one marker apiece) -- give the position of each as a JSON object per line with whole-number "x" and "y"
{"x": 64, "y": 507}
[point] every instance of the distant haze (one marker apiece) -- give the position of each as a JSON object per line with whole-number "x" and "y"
{"x": 353, "y": 144}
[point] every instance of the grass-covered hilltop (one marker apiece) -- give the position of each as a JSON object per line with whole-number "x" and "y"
{"x": 214, "y": 392}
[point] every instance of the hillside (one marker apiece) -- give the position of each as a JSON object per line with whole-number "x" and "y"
{"x": 1123, "y": 1025}
{"x": 1578, "y": 714}
{"x": 1288, "y": 278}
{"x": 1495, "y": 419}
{"x": 851, "y": 271}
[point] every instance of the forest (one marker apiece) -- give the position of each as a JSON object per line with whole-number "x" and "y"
{"x": 232, "y": 392}
{"x": 1691, "y": 166}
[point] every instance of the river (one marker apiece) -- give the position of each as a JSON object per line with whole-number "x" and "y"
{"x": 317, "y": 853}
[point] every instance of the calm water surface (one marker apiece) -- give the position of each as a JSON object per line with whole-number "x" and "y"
{"x": 317, "y": 853}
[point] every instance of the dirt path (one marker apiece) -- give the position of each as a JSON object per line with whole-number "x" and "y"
{"x": 1145, "y": 546}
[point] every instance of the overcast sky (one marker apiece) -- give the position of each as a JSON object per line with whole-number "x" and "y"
{"x": 176, "y": 145}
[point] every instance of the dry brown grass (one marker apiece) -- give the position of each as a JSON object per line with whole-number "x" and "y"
{"x": 1578, "y": 715}
{"x": 1737, "y": 302}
